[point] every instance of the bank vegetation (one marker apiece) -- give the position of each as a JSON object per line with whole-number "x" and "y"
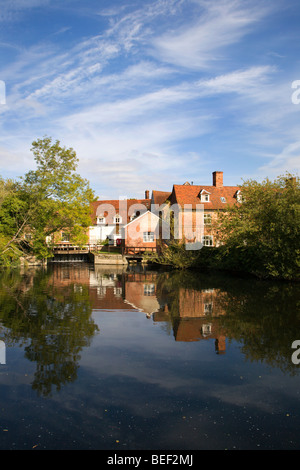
{"x": 260, "y": 237}
{"x": 43, "y": 202}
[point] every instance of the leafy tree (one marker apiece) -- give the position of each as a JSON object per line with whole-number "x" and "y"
{"x": 45, "y": 201}
{"x": 12, "y": 221}
{"x": 265, "y": 227}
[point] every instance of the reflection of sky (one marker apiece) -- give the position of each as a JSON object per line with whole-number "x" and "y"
{"x": 185, "y": 389}
{"x": 132, "y": 346}
{"x": 137, "y": 384}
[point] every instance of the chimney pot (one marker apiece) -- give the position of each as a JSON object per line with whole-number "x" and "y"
{"x": 147, "y": 194}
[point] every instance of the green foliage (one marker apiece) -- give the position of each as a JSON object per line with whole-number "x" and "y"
{"x": 260, "y": 236}
{"x": 45, "y": 201}
{"x": 175, "y": 255}
{"x": 262, "y": 233}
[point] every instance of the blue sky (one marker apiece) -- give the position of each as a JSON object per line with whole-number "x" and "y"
{"x": 152, "y": 93}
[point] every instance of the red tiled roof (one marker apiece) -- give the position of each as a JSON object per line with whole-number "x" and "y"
{"x": 190, "y": 194}
{"x": 110, "y": 208}
{"x": 159, "y": 197}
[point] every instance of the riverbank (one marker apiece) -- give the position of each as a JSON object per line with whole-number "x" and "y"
{"x": 244, "y": 261}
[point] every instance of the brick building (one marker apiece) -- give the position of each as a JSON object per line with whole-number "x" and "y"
{"x": 195, "y": 207}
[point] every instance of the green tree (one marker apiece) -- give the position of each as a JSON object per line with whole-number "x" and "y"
{"x": 13, "y": 219}
{"x": 51, "y": 198}
{"x": 263, "y": 231}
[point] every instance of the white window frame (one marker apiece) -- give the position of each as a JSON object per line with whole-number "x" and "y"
{"x": 101, "y": 220}
{"x": 239, "y": 196}
{"x": 207, "y": 218}
{"x": 205, "y": 197}
{"x": 117, "y": 291}
{"x": 208, "y": 308}
{"x": 149, "y": 289}
{"x": 117, "y": 219}
{"x": 148, "y": 237}
{"x": 206, "y": 329}
{"x": 206, "y": 239}
{"x": 65, "y": 237}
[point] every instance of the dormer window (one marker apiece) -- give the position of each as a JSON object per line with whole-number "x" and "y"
{"x": 118, "y": 219}
{"x": 136, "y": 214}
{"x": 101, "y": 220}
{"x": 204, "y": 196}
{"x": 239, "y": 196}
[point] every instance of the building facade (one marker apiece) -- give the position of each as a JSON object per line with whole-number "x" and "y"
{"x": 188, "y": 213}
{"x": 110, "y": 216}
{"x": 194, "y": 208}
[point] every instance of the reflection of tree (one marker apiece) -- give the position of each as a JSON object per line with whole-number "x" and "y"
{"x": 53, "y": 322}
{"x": 262, "y": 316}
{"x": 265, "y": 319}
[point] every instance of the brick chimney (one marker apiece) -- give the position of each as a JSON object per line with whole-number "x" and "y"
{"x": 218, "y": 179}
{"x": 147, "y": 194}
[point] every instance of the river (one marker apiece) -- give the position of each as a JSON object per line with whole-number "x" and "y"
{"x": 139, "y": 359}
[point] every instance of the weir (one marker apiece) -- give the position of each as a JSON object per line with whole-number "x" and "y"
{"x": 71, "y": 258}
{"x": 97, "y": 254}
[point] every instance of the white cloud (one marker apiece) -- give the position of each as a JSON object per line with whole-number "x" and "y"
{"x": 11, "y": 10}
{"x": 139, "y": 96}
{"x": 197, "y": 45}
{"x": 287, "y": 161}
{"x": 245, "y": 82}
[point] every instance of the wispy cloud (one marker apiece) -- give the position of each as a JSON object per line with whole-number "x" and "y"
{"x": 286, "y": 161}
{"x": 12, "y": 10}
{"x": 158, "y": 84}
{"x": 203, "y": 41}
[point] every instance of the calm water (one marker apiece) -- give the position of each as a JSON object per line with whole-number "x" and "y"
{"x": 104, "y": 358}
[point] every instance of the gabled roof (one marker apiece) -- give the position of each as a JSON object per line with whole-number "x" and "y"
{"x": 160, "y": 224}
{"x": 143, "y": 215}
{"x": 204, "y": 191}
{"x": 160, "y": 197}
{"x": 184, "y": 194}
{"x": 112, "y": 207}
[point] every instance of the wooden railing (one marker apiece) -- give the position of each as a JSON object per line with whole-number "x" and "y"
{"x": 138, "y": 250}
{"x": 67, "y": 248}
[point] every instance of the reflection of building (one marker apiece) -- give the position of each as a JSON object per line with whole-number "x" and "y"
{"x": 105, "y": 286}
{"x": 197, "y": 317}
{"x": 195, "y": 329}
{"x": 192, "y": 314}
{"x": 140, "y": 292}
{"x": 199, "y": 303}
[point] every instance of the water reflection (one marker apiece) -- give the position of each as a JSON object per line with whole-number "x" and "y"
{"x": 49, "y": 313}
{"x": 51, "y": 319}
